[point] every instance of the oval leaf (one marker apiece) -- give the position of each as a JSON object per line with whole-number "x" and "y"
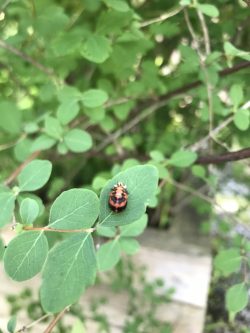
{"x": 74, "y": 209}
{"x": 34, "y": 175}
{"x": 7, "y": 204}
{"x": 228, "y": 261}
{"x": 141, "y": 182}
{"x": 25, "y": 255}
{"x": 129, "y": 245}
{"x": 94, "y": 98}
{"x": 71, "y": 266}
{"x": 236, "y": 298}
{"x": 29, "y": 210}
{"x": 108, "y": 255}
{"x": 182, "y": 159}
{"x": 78, "y": 140}
{"x": 209, "y": 10}
{"x": 96, "y": 49}
{"x": 241, "y": 119}
{"x": 134, "y": 229}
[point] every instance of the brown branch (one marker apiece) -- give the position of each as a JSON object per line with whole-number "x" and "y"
{"x": 28, "y": 228}
{"x": 27, "y": 58}
{"x": 16, "y": 172}
{"x": 55, "y": 320}
{"x": 223, "y": 158}
{"x": 153, "y": 105}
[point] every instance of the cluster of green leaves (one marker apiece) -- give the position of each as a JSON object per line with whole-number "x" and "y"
{"x": 232, "y": 261}
{"x": 74, "y": 89}
{"x": 70, "y": 266}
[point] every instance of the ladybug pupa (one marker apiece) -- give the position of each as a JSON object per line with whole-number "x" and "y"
{"x": 118, "y": 197}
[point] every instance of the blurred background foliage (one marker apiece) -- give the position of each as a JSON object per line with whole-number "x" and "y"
{"x": 99, "y": 86}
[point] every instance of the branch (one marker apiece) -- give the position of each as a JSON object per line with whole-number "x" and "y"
{"x": 162, "y": 17}
{"x": 16, "y": 172}
{"x": 27, "y": 58}
{"x": 223, "y": 158}
{"x": 24, "y": 328}
{"x": 28, "y": 228}
{"x": 55, "y": 320}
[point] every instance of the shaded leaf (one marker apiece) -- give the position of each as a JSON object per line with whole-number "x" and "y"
{"x": 108, "y": 255}
{"x": 29, "y": 210}
{"x": 96, "y": 49}
{"x": 182, "y": 159}
{"x": 134, "y": 229}
{"x": 78, "y": 140}
{"x": 129, "y": 245}
{"x": 34, "y": 175}
{"x": 94, "y": 97}
{"x": 237, "y": 298}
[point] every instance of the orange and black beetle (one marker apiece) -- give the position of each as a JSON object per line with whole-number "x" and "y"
{"x": 118, "y": 197}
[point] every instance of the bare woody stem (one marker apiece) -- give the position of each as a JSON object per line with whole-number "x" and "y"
{"x": 28, "y": 228}
{"x": 222, "y": 158}
{"x": 16, "y": 172}
{"x": 55, "y": 320}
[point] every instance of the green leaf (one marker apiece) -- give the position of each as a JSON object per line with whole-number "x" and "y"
{"x": 94, "y": 97}
{"x": 22, "y": 150}
{"x": 182, "y": 159}
{"x": 241, "y": 119}
{"x": 199, "y": 171}
{"x": 236, "y": 95}
{"x": 7, "y": 204}
{"x": 96, "y": 49}
{"x": 106, "y": 232}
{"x": 67, "y": 111}
{"x": 141, "y": 182}
{"x": 74, "y": 209}
{"x": 157, "y": 156}
{"x": 53, "y": 128}
{"x": 11, "y": 325}
{"x": 232, "y": 52}
{"x": 34, "y": 175}
{"x": 78, "y": 327}
{"x": 10, "y": 117}
{"x": 236, "y": 298}
{"x": 25, "y": 255}
{"x": 42, "y": 142}
{"x": 118, "y": 5}
{"x": 70, "y": 267}
{"x": 29, "y": 210}
{"x": 134, "y": 229}
{"x": 2, "y": 248}
{"x": 129, "y": 245}
{"x": 228, "y": 261}
{"x": 209, "y": 10}
{"x": 78, "y": 140}
{"x": 108, "y": 255}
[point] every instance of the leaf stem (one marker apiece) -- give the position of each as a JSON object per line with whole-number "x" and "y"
{"x": 55, "y": 320}
{"x": 28, "y": 228}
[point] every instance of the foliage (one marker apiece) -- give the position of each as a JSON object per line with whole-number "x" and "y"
{"x": 105, "y": 91}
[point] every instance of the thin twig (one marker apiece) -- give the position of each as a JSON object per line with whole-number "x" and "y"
{"x": 28, "y": 228}
{"x": 27, "y": 58}
{"x": 55, "y": 320}
{"x": 12, "y": 144}
{"x": 161, "y": 18}
{"x": 205, "y": 31}
{"x": 201, "y": 143}
{"x": 24, "y": 328}
{"x": 16, "y": 172}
